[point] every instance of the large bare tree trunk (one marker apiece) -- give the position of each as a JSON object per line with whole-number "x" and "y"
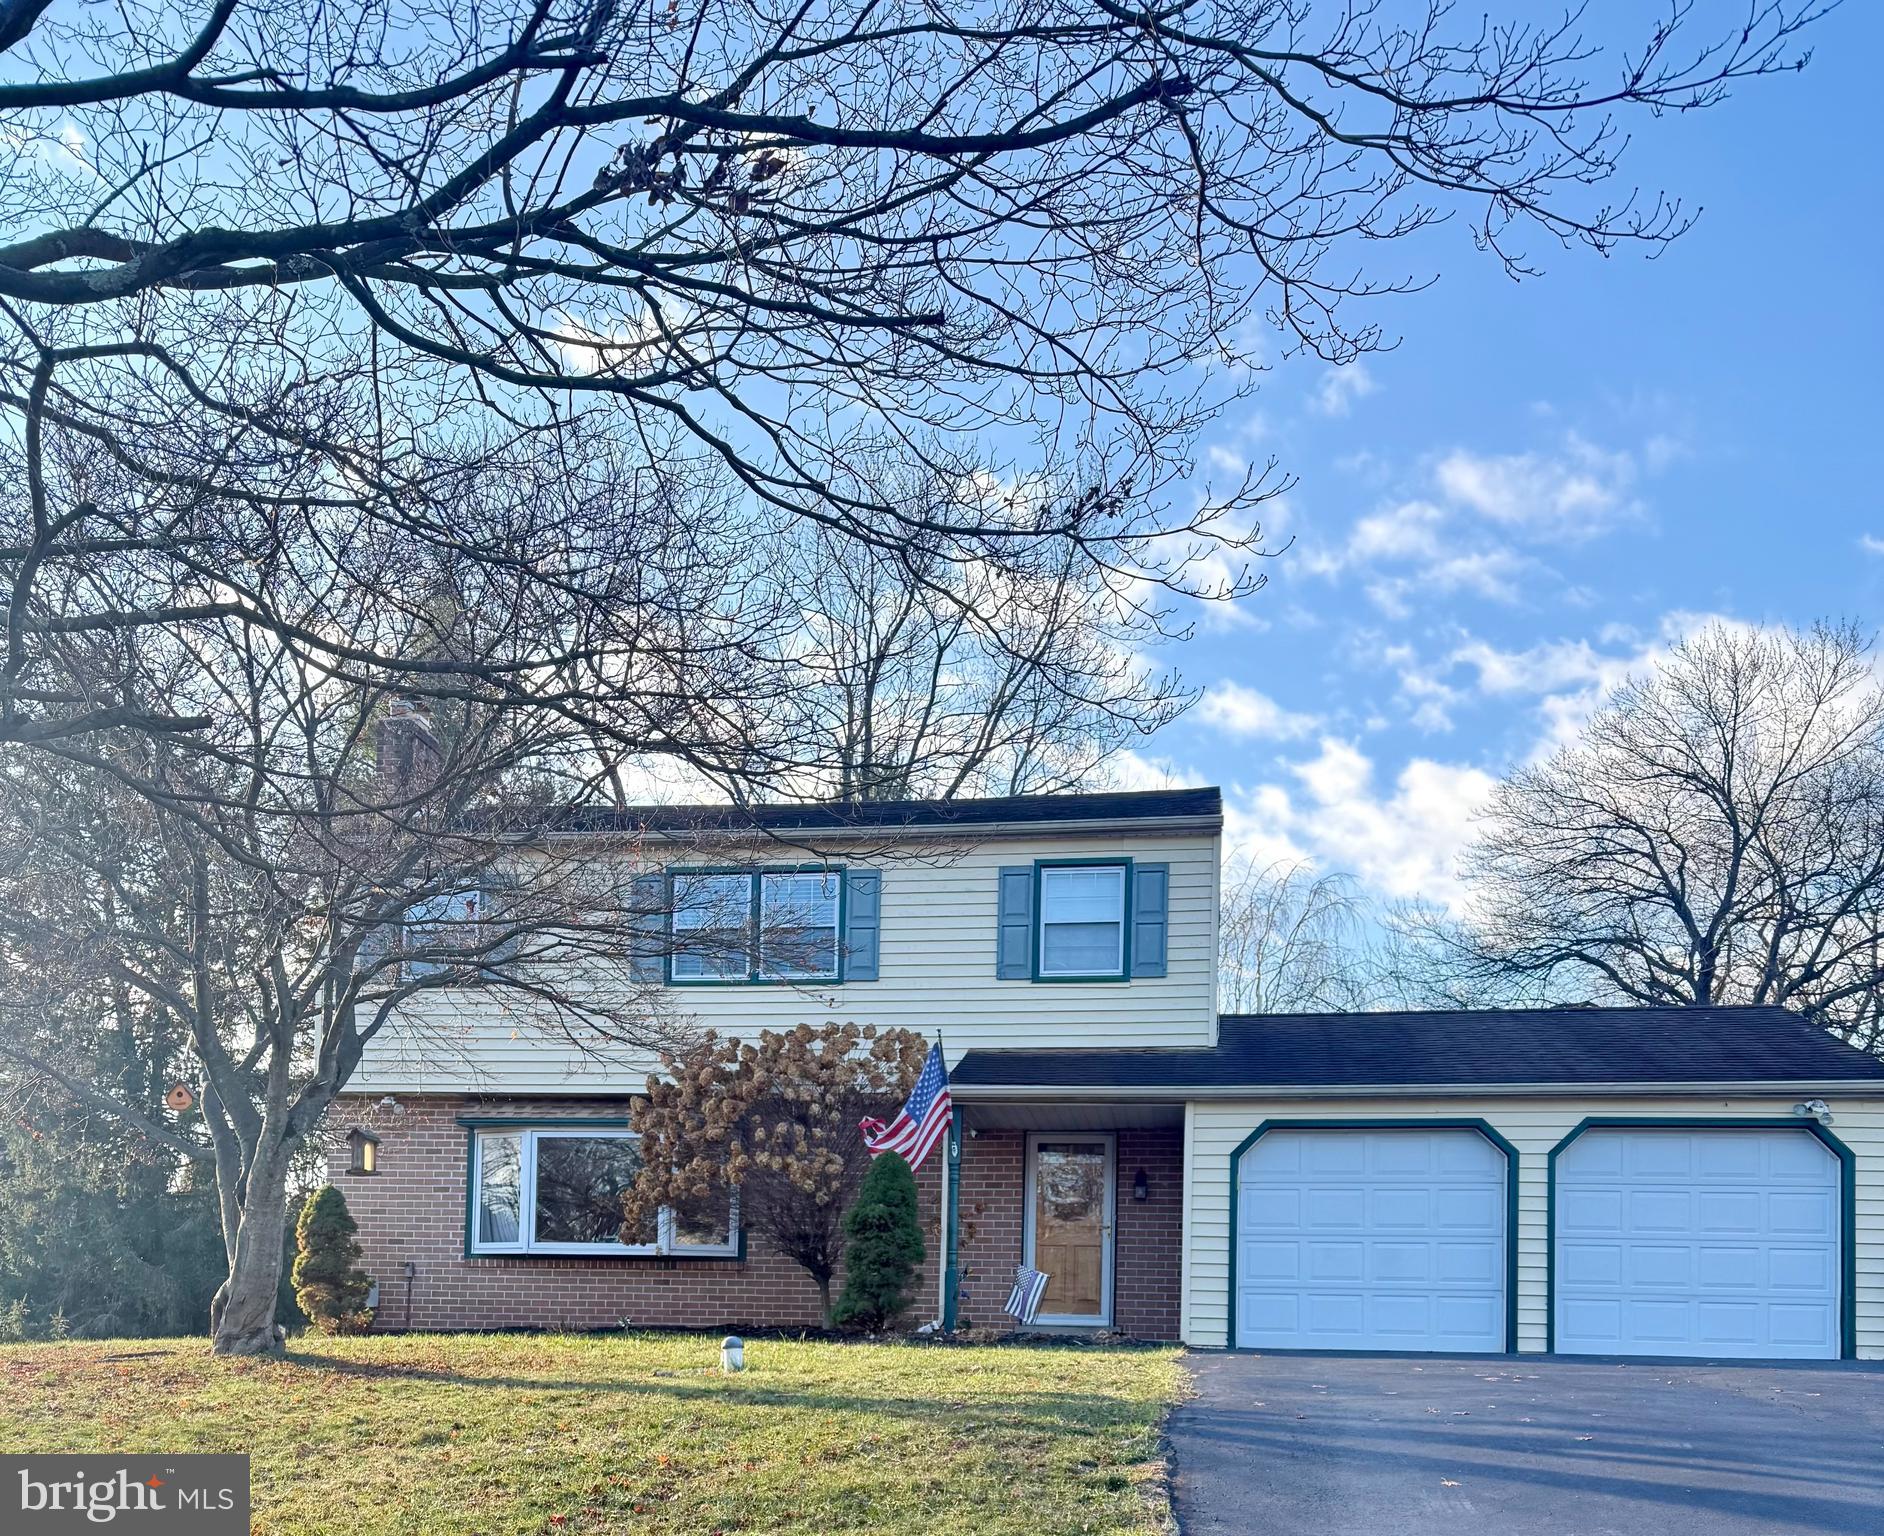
{"x": 242, "y": 1316}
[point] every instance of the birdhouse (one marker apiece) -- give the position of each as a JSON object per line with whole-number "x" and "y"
{"x": 179, "y": 1098}
{"x": 363, "y": 1147}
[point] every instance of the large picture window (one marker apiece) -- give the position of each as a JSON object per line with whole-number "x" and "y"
{"x": 558, "y": 1191}
{"x": 1082, "y": 921}
{"x": 764, "y": 925}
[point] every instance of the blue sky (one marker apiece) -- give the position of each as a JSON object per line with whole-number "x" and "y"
{"x": 1548, "y": 480}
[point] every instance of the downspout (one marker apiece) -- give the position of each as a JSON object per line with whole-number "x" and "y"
{"x": 951, "y": 1225}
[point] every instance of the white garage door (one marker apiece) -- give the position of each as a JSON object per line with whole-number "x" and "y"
{"x": 1714, "y": 1243}
{"x": 1371, "y": 1239}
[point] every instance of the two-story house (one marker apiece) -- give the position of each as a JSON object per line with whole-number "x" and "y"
{"x": 1617, "y": 1181}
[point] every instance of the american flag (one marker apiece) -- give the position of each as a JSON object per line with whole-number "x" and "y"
{"x": 920, "y": 1123}
{"x": 1023, "y": 1302}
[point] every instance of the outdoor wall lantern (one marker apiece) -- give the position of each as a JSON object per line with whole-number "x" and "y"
{"x": 364, "y": 1147}
{"x": 1141, "y": 1186}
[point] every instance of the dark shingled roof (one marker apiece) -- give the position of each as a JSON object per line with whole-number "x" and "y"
{"x": 889, "y": 815}
{"x": 1468, "y": 1047}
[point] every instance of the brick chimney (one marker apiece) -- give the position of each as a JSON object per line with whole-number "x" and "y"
{"x": 409, "y": 756}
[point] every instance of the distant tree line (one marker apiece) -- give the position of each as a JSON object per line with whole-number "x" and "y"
{"x": 1714, "y": 833}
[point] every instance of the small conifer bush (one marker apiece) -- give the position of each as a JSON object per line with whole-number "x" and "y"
{"x": 883, "y": 1249}
{"x": 328, "y": 1281}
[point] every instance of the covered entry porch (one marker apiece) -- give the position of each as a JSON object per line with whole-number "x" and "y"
{"x": 1091, "y": 1194}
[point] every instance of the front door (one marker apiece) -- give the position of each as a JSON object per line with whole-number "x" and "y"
{"x": 1069, "y": 1225}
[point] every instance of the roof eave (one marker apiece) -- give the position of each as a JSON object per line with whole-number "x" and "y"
{"x": 972, "y": 831}
{"x": 969, "y": 1093}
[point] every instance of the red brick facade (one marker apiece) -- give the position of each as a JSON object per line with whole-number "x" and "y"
{"x": 413, "y": 1211}
{"x": 1147, "y": 1234}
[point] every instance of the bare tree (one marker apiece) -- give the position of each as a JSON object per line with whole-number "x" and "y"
{"x": 1715, "y": 834}
{"x": 265, "y": 255}
{"x": 920, "y": 681}
{"x": 1294, "y": 939}
{"x": 331, "y": 854}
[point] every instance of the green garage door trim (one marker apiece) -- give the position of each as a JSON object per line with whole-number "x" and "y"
{"x": 1847, "y": 1203}
{"x": 1481, "y": 1126}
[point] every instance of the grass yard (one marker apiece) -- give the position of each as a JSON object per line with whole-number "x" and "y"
{"x": 629, "y": 1433}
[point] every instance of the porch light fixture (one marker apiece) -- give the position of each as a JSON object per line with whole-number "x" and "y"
{"x": 364, "y": 1147}
{"x": 1141, "y": 1186}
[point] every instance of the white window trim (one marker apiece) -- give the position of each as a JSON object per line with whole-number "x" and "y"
{"x": 712, "y": 977}
{"x": 1117, "y": 968}
{"x": 664, "y": 1246}
{"x": 837, "y": 927}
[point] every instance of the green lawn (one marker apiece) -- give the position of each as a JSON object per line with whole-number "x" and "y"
{"x": 629, "y": 1433}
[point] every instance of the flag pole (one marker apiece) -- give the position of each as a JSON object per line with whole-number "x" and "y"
{"x": 951, "y": 1204}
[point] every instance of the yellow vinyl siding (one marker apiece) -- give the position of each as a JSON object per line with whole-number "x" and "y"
{"x": 936, "y": 974}
{"x": 1532, "y": 1125}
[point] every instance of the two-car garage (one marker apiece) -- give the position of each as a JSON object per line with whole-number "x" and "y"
{"x": 1707, "y": 1240}
{"x": 1702, "y": 1182}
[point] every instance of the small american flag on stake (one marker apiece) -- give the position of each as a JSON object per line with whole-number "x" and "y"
{"x": 1023, "y": 1302}
{"x": 920, "y": 1123}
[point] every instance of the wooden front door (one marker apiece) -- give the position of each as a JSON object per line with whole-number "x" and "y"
{"x": 1069, "y": 1225}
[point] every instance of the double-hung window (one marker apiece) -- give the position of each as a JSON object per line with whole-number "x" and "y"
{"x": 712, "y": 927}
{"x": 762, "y": 925}
{"x": 1082, "y": 917}
{"x": 558, "y": 1190}
{"x": 440, "y": 930}
{"x": 798, "y": 914}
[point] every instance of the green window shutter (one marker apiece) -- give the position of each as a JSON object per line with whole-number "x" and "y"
{"x": 1151, "y": 917}
{"x": 863, "y": 908}
{"x": 650, "y": 922}
{"x": 1014, "y": 927}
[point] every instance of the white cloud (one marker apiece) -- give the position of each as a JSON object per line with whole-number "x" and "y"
{"x": 1432, "y": 700}
{"x": 1471, "y": 531}
{"x": 1134, "y": 770}
{"x": 1340, "y": 388}
{"x": 1540, "y": 668}
{"x": 1401, "y": 842}
{"x": 1562, "y": 497}
{"x": 1239, "y": 711}
{"x": 1256, "y": 828}
{"x": 1403, "y": 839}
{"x": 1491, "y": 573}
{"x": 1871, "y": 544}
{"x": 1569, "y": 678}
{"x": 1409, "y": 531}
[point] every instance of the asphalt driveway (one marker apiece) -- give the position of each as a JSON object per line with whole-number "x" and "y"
{"x": 1439, "y": 1445}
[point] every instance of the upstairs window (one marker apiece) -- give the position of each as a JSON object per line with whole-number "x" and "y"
{"x": 440, "y": 930}
{"x": 766, "y": 925}
{"x": 798, "y": 925}
{"x": 1082, "y": 921}
{"x": 712, "y": 927}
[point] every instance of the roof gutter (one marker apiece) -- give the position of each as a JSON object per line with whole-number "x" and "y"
{"x": 969, "y": 1093}
{"x": 894, "y": 831}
